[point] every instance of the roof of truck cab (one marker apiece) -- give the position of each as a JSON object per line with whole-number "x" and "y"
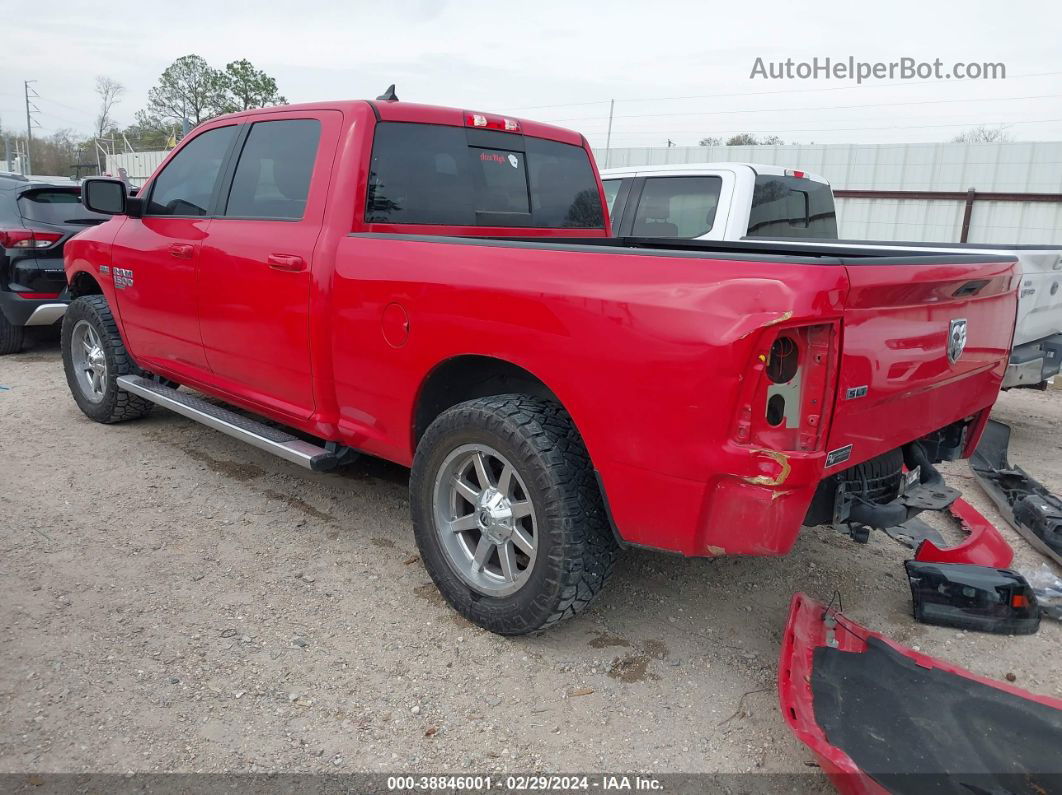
{"x": 399, "y": 111}
{"x": 688, "y": 168}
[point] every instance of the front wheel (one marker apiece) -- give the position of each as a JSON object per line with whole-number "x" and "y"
{"x": 93, "y": 357}
{"x": 507, "y": 513}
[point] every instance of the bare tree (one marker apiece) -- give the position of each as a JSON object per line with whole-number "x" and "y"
{"x": 109, "y": 91}
{"x": 982, "y": 135}
{"x": 742, "y": 139}
{"x": 710, "y": 141}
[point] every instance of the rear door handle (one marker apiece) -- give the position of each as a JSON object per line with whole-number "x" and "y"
{"x": 286, "y": 262}
{"x": 181, "y": 250}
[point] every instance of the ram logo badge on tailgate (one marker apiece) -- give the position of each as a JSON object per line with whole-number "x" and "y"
{"x": 956, "y": 339}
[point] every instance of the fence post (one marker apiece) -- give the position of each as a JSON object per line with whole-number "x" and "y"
{"x": 966, "y": 214}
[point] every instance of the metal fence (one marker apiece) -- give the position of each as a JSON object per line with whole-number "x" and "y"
{"x": 912, "y": 191}
{"x": 138, "y": 166}
{"x": 884, "y": 191}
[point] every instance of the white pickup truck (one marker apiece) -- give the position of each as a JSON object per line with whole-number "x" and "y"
{"x": 749, "y": 201}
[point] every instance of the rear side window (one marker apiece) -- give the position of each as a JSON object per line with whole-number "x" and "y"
{"x": 677, "y": 207}
{"x": 433, "y": 174}
{"x": 186, "y": 185}
{"x": 272, "y": 178}
{"x": 792, "y": 207}
{"x": 56, "y": 206}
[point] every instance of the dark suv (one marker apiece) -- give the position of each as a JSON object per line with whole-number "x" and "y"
{"x": 36, "y": 219}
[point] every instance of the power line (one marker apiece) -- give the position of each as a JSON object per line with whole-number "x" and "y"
{"x": 821, "y": 107}
{"x": 777, "y": 91}
{"x": 830, "y": 129}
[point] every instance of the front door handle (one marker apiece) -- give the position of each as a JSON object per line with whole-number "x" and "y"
{"x": 286, "y": 262}
{"x": 181, "y": 250}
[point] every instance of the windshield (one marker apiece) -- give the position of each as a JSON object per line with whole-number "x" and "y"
{"x": 56, "y": 206}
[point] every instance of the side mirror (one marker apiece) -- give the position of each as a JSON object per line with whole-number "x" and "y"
{"x": 108, "y": 197}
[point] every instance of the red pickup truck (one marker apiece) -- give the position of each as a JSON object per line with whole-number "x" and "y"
{"x": 439, "y": 288}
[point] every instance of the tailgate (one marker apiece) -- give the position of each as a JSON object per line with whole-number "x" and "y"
{"x": 1040, "y": 299}
{"x": 925, "y": 343}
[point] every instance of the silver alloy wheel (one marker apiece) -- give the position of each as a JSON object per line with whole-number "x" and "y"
{"x": 90, "y": 362}
{"x": 485, "y": 520}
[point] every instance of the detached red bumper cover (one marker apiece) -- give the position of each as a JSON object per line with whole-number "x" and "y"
{"x": 884, "y": 718}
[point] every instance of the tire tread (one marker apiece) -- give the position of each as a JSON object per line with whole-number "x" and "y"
{"x": 586, "y": 555}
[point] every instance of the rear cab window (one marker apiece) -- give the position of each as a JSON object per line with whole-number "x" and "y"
{"x": 433, "y": 174}
{"x": 57, "y": 207}
{"x": 784, "y": 206}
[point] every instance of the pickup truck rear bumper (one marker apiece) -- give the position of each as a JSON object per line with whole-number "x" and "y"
{"x": 1034, "y": 362}
{"x": 754, "y": 512}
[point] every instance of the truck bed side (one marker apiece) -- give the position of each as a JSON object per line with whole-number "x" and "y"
{"x": 651, "y": 351}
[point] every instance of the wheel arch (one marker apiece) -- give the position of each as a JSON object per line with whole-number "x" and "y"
{"x": 471, "y": 376}
{"x": 84, "y": 283}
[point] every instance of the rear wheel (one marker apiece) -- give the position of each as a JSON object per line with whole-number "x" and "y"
{"x": 507, "y": 513}
{"x": 93, "y": 357}
{"x": 10, "y": 337}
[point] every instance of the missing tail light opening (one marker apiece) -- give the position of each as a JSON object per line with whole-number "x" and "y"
{"x": 782, "y": 362}
{"x": 785, "y": 404}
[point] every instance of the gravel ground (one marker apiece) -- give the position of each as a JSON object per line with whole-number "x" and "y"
{"x": 172, "y": 600}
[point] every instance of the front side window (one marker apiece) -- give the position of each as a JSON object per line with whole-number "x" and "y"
{"x": 272, "y": 178}
{"x": 440, "y": 175}
{"x": 186, "y": 185}
{"x": 677, "y": 207}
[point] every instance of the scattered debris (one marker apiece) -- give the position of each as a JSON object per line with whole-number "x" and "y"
{"x": 980, "y": 598}
{"x": 1048, "y": 589}
{"x": 1027, "y": 505}
{"x": 883, "y": 717}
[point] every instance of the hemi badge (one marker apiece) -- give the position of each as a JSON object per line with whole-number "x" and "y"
{"x": 105, "y": 268}
{"x": 855, "y": 392}
{"x": 838, "y": 456}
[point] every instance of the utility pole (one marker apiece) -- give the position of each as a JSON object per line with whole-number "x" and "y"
{"x": 608, "y": 138}
{"x": 29, "y": 125}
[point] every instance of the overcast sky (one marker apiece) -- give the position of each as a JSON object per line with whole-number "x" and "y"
{"x": 677, "y": 70}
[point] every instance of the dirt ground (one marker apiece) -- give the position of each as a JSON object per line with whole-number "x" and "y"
{"x": 173, "y": 600}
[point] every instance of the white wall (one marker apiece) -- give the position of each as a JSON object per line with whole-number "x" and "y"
{"x": 1010, "y": 167}
{"x": 138, "y": 165}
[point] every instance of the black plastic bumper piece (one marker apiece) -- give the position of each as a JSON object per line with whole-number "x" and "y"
{"x": 979, "y": 598}
{"x": 1030, "y": 508}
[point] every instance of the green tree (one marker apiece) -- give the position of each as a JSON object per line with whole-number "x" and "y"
{"x": 742, "y": 139}
{"x": 246, "y": 87}
{"x": 188, "y": 89}
{"x": 151, "y": 132}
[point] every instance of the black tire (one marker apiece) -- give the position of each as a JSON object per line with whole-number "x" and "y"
{"x": 576, "y": 548}
{"x": 10, "y": 337}
{"x": 116, "y": 404}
